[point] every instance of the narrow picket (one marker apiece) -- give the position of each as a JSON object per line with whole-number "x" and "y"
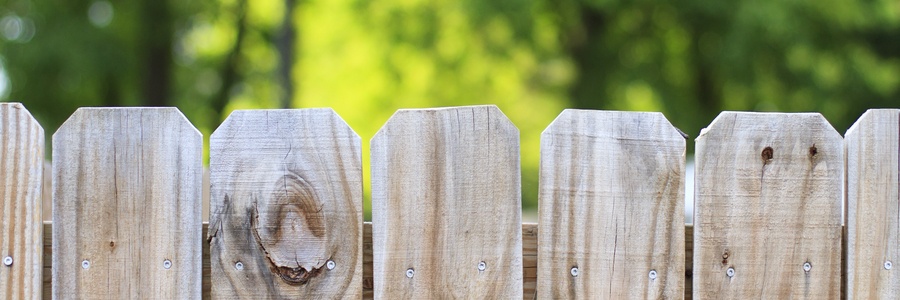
{"x": 286, "y": 214}
{"x": 126, "y": 205}
{"x": 611, "y": 207}
{"x": 446, "y": 205}
{"x": 21, "y": 171}
{"x": 873, "y": 205}
{"x": 767, "y": 219}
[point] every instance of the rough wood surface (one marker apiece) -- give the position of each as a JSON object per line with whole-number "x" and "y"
{"x": 768, "y": 201}
{"x": 286, "y": 201}
{"x": 126, "y": 205}
{"x": 611, "y": 207}
{"x": 446, "y": 197}
{"x": 21, "y": 168}
{"x": 873, "y": 206}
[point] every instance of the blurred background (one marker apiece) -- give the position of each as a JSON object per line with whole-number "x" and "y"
{"x": 689, "y": 59}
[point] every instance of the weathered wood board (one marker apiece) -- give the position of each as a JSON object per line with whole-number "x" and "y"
{"x": 286, "y": 213}
{"x": 21, "y": 171}
{"x": 126, "y": 205}
{"x": 767, "y": 216}
{"x": 446, "y": 205}
{"x": 873, "y": 205}
{"x": 611, "y": 207}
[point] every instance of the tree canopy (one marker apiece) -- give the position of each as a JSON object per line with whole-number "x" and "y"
{"x": 689, "y": 59}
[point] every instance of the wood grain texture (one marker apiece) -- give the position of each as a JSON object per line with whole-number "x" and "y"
{"x": 286, "y": 199}
{"x": 612, "y": 206}
{"x": 126, "y": 200}
{"x": 873, "y": 205}
{"x": 767, "y": 201}
{"x": 21, "y": 169}
{"x": 446, "y": 196}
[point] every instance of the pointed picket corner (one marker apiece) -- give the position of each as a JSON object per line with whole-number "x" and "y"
{"x": 873, "y": 227}
{"x": 21, "y": 173}
{"x": 126, "y": 203}
{"x": 286, "y": 213}
{"x": 611, "y": 207}
{"x": 446, "y": 205}
{"x": 767, "y": 221}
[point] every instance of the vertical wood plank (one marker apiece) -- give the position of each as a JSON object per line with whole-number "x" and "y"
{"x": 126, "y": 205}
{"x": 445, "y": 199}
{"x": 611, "y": 207}
{"x": 286, "y": 219}
{"x": 767, "y": 219}
{"x": 21, "y": 169}
{"x": 873, "y": 205}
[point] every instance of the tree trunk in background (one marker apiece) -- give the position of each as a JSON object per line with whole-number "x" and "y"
{"x": 156, "y": 44}
{"x": 286, "y": 45}
{"x": 229, "y": 72}
{"x": 586, "y": 47}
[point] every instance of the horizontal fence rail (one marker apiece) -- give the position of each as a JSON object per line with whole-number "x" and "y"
{"x": 286, "y": 207}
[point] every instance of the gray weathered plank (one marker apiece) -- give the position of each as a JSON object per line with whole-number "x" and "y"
{"x": 126, "y": 205}
{"x": 611, "y": 207}
{"x": 873, "y": 205}
{"x": 445, "y": 199}
{"x": 21, "y": 169}
{"x": 286, "y": 203}
{"x": 768, "y": 202}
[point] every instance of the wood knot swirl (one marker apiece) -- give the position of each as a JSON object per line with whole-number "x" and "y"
{"x": 290, "y": 227}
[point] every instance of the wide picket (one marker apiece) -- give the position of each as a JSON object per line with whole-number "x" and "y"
{"x": 611, "y": 207}
{"x": 126, "y": 205}
{"x": 286, "y": 206}
{"x": 446, "y": 205}
{"x": 21, "y": 171}
{"x": 873, "y": 205}
{"x": 767, "y": 220}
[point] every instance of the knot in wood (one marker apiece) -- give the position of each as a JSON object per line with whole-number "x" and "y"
{"x": 290, "y": 227}
{"x": 767, "y": 154}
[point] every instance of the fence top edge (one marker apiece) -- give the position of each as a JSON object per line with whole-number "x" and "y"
{"x": 869, "y": 113}
{"x": 726, "y": 116}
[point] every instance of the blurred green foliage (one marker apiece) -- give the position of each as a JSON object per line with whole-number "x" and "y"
{"x": 689, "y": 59}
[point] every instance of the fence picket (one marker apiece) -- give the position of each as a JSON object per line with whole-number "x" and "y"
{"x": 446, "y": 205}
{"x": 768, "y": 207}
{"x": 286, "y": 213}
{"x": 611, "y": 207}
{"x": 873, "y": 226}
{"x": 21, "y": 169}
{"x": 126, "y": 205}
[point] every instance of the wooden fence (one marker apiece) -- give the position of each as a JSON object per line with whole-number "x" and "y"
{"x": 286, "y": 207}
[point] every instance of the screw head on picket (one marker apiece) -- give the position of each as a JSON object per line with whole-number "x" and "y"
{"x": 330, "y": 264}
{"x": 888, "y": 265}
{"x": 85, "y": 264}
{"x": 574, "y": 271}
{"x": 652, "y": 274}
{"x": 807, "y": 266}
{"x": 730, "y": 272}
{"x": 410, "y": 273}
{"x": 167, "y": 264}
{"x": 8, "y": 261}
{"x": 239, "y": 265}
{"x": 481, "y": 266}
